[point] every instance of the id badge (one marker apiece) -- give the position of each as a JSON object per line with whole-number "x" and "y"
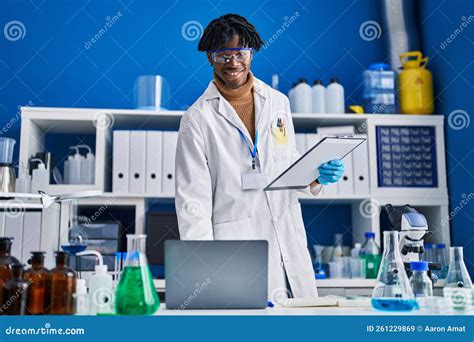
{"x": 253, "y": 179}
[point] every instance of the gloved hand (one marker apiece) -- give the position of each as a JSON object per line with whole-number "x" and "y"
{"x": 330, "y": 172}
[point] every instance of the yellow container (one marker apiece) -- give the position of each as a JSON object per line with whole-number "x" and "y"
{"x": 415, "y": 84}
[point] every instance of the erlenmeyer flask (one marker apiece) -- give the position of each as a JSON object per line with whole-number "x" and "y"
{"x": 392, "y": 291}
{"x": 135, "y": 293}
{"x": 458, "y": 284}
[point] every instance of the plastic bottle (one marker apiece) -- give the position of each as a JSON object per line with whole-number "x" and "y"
{"x": 100, "y": 287}
{"x": 318, "y": 95}
{"x": 355, "y": 252}
{"x": 40, "y": 179}
{"x": 6, "y": 263}
{"x": 337, "y": 253}
{"x": 15, "y": 291}
{"x": 23, "y": 182}
{"x": 443, "y": 259}
{"x": 87, "y": 166}
{"x": 380, "y": 89}
{"x": 38, "y": 279}
{"x": 370, "y": 252}
{"x": 335, "y": 97}
{"x": 75, "y": 167}
{"x": 291, "y": 97}
{"x": 302, "y": 94}
{"x": 67, "y": 169}
{"x": 420, "y": 282}
{"x": 458, "y": 283}
{"x": 82, "y": 299}
{"x": 63, "y": 286}
{"x": 392, "y": 290}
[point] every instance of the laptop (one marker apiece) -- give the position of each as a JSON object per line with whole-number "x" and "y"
{"x": 216, "y": 274}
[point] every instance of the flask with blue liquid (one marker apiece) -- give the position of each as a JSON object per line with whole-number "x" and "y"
{"x": 392, "y": 290}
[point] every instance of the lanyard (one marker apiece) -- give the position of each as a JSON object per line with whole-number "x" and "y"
{"x": 253, "y": 151}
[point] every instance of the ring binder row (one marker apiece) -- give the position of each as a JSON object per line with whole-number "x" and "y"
{"x": 144, "y": 162}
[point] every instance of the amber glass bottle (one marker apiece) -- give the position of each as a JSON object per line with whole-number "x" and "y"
{"x": 6, "y": 262}
{"x": 38, "y": 279}
{"x": 63, "y": 286}
{"x": 15, "y": 292}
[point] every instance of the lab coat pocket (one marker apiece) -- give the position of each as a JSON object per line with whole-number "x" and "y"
{"x": 280, "y": 145}
{"x": 241, "y": 229}
{"x": 299, "y": 228}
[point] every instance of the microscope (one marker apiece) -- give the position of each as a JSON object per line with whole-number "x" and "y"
{"x": 413, "y": 229}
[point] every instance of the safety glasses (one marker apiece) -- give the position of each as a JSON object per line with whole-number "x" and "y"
{"x": 223, "y": 56}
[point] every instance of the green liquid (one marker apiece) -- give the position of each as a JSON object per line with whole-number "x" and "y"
{"x": 133, "y": 296}
{"x": 372, "y": 264}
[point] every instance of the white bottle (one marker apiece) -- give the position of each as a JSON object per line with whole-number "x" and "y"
{"x": 355, "y": 252}
{"x": 335, "y": 98}
{"x": 291, "y": 98}
{"x": 23, "y": 182}
{"x": 75, "y": 167}
{"x": 67, "y": 168}
{"x": 302, "y": 93}
{"x": 100, "y": 287}
{"x": 87, "y": 166}
{"x": 82, "y": 300}
{"x": 40, "y": 179}
{"x": 319, "y": 97}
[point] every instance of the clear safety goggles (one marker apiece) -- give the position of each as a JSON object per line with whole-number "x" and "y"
{"x": 241, "y": 55}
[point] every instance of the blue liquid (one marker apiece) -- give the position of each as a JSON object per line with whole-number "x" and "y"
{"x": 74, "y": 249}
{"x": 394, "y": 304}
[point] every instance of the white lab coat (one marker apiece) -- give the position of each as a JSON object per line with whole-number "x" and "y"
{"x": 210, "y": 202}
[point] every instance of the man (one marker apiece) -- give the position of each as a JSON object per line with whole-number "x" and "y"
{"x": 234, "y": 139}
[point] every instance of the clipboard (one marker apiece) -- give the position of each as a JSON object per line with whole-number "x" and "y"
{"x": 303, "y": 172}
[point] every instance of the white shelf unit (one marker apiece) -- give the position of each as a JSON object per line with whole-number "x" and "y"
{"x": 433, "y": 202}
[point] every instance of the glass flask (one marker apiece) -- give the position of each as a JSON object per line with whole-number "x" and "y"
{"x": 458, "y": 284}
{"x": 392, "y": 290}
{"x": 337, "y": 253}
{"x": 38, "y": 279}
{"x": 135, "y": 293}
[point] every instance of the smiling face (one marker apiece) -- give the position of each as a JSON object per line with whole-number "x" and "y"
{"x": 233, "y": 73}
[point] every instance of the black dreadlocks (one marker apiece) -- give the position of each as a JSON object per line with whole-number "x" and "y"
{"x": 221, "y": 30}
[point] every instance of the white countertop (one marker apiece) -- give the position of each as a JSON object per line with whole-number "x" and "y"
{"x": 320, "y": 311}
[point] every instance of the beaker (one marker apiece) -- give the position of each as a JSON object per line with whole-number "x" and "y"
{"x": 135, "y": 293}
{"x": 392, "y": 290}
{"x": 458, "y": 284}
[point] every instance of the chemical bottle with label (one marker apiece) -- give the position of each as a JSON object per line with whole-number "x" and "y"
{"x": 370, "y": 252}
{"x": 15, "y": 291}
{"x": 335, "y": 97}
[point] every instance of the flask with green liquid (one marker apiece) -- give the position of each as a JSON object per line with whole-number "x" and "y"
{"x": 135, "y": 293}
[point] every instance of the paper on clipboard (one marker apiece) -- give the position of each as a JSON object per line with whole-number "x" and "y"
{"x": 305, "y": 170}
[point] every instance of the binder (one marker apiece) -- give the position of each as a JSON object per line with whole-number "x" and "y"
{"x": 14, "y": 229}
{"x": 300, "y": 143}
{"x": 361, "y": 168}
{"x": 136, "y": 176}
{"x": 120, "y": 161}
{"x": 31, "y": 233}
{"x": 346, "y": 183}
{"x": 170, "y": 140}
{"x": 154, "y": 158}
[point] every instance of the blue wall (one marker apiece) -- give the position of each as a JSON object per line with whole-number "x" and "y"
{"x": 453, "y": 69}
{"x": 56, "y": 64}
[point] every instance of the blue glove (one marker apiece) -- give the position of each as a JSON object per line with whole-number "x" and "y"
{"x": 330, "y": 172}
